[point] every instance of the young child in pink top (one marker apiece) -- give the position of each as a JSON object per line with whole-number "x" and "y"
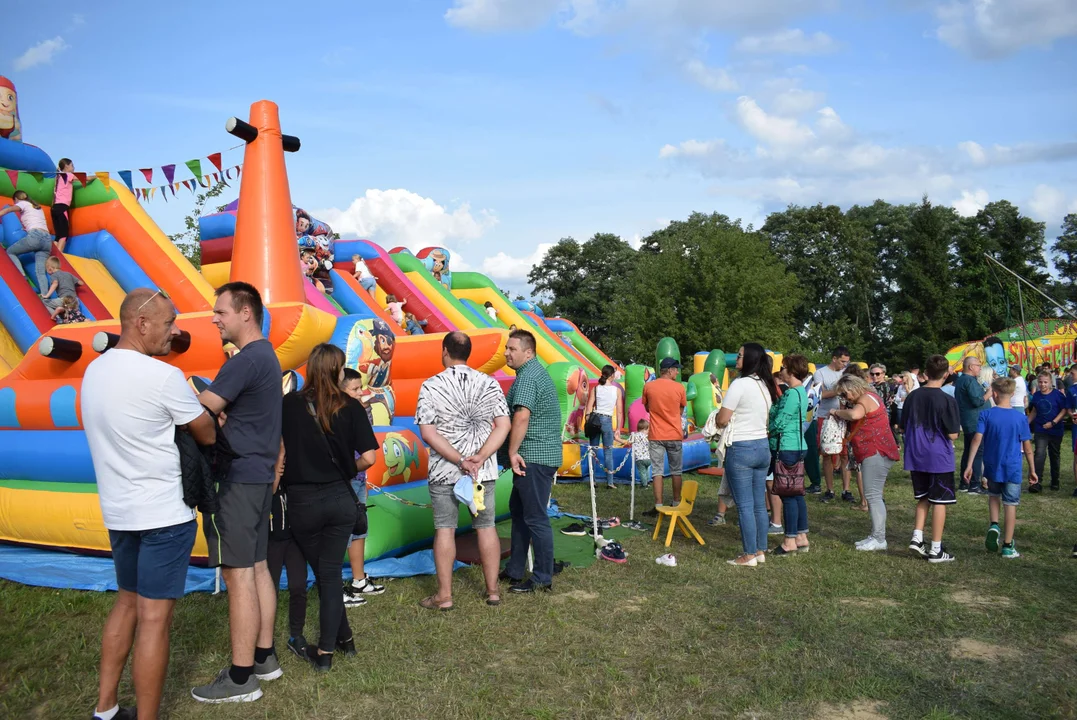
{"x": 61, "y": 202}
{"x": 395, "y": 308}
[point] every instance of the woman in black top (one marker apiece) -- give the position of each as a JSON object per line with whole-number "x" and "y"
{"x": 323, "y": 432}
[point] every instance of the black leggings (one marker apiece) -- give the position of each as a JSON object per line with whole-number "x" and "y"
{"x": 286, "y": 553}
{"x": 61, "y": 224}
{"x": 322, "y": 517}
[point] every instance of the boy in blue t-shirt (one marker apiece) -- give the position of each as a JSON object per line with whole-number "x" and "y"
{"x": 1005, "y": 436}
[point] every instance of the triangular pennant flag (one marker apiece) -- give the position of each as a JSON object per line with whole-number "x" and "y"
{"x": 103, "y": 177}
{"x": 187, "y": 184}
{"x": 207, "y": 182}
{"x": 237, "y": 170}
{"x": 164, "y": 192}
{"x": 13, "y": 176}
{"x": 169, "y": 171}
{"x": 153, "y": 191}
{"x": 215, "y": 158}
{"x": 125, "y": 175}
{"x": 195, "y": 166}
{"x": 148, "y": 173}
{"x": 37, "y": 176}
{"x": 228, "y": 174}
{"x": 215, "y": 178}
{"x": 175, "y": 187}
{"x": 81, "y": 177}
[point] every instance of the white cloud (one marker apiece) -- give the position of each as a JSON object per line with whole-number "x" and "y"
{"x": 970, "y": 203}
{"x": 995, "y": 28}
{"x": 795, "y": 102}
{"x": 787, "y": 42}
{"x": 975, "y": 152}
{"x": 1050, "y": 204}
{"x": 493, "y": 15}
{"x": 40, "y": 54}
{"x": 692, "y": 148}
{"x": 401, "y": 217}
{"x": 712, "y": 78}
{"x": 770, "y": 129}
{"x": 996, "y": 155}
{"x": 506, "y": 267}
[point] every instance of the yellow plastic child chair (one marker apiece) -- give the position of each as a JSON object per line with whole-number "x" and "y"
{"x": 678, "y": 515}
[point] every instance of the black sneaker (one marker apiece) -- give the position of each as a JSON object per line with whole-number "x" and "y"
{"x": 827, "y": 496}
{"x": 963, "y": 487}
{"x": 529, "y": 586}
{"x": 1038, "y": 488}
{"x": 347, "y": 647}
{"x": 352, "y": 597}
{"x": 813, "y": 489}
{"x": 1075, "y": 551}
{"x": 918, "y": 547}
{"x": 847, "y": 497}
{"x": 1055, "y": 487}
{"x": 319, "y": 661}
{"x": 977, "y": 490}
{"x": 298, "y": 646}
{"x": 575, "y": 529}
{"x": 366, "y": 586}
{"x": 940, "y": 557}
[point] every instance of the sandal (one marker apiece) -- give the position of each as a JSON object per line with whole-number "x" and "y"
{"x": 491, "y": 601}
{"x": 431, "y": 603}
{"x": 861, "y": 508}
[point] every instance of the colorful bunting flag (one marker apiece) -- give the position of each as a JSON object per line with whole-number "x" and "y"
{"x": 153, "y": 191}
{"x": 215, "y": 158}
{"x": 81, "y": 176}
{"x": 103, "y": 178}
{"x": 13, "y": 176}
{"x": 125, "y": 175}
{"x": 169, "y": 171}
{"x": 164, "y": 192}
{"x": 195, "y": 166}
{"x": 215, "y": 178}
{"x": 37, "y": 176}
{"x": 147, "y": 173}
{"x": 187, "y": 184}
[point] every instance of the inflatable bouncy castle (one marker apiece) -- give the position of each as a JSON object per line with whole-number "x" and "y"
{"x": 1028, "y": 346}
{"x": 47, "y": 488}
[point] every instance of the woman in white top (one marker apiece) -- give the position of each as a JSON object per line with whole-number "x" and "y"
{"x": 37, "y": 239}
{"x": 603, "y": 402}
{"x": 748, "y": 400}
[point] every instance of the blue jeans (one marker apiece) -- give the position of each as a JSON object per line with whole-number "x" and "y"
{"x": 746, "y": 464}
{"x": 531, "y": 523}
{"x": 39, "y": 243}
{"x": 607, "y": 446}
{"x": 794, "y": 509}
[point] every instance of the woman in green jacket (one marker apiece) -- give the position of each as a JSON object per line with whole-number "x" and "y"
{"x": 786, "y": 429}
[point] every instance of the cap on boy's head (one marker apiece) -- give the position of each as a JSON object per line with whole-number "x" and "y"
{"x": 668, "y": 363}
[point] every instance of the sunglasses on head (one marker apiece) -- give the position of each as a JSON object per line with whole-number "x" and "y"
{"x": 162, "y": 293}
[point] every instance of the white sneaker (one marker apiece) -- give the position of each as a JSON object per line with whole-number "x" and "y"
{"x": 668, "y": 560}
{"x": 872, "y": 545}
{"x": 865, "y": 541}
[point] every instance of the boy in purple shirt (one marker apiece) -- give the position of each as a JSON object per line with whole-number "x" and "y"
{"x": 930, "y": 422}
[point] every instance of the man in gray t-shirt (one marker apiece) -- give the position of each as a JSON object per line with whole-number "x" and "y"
{"x": 825, "y": 378}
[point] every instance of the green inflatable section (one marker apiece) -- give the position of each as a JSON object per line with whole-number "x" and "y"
{"x": 585, "y": 347}
{"x": 42, "y": 191}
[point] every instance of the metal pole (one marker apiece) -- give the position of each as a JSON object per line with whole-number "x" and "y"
{"x": 1024, "y": 330}
{"x": 632, "y": 492}
{"x": 594, "y": 504}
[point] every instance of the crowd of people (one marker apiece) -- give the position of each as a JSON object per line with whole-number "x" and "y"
{"x": 291, "y": 485}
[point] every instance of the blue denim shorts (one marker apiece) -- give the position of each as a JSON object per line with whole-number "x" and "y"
{"x": 1009, "y": 492}
{"x": 153, "y": 563}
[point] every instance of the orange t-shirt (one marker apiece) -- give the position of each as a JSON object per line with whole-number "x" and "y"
{"x": 664, "y": 400}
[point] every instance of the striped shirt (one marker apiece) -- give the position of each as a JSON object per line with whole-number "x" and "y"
{"x": 461, "y": 403}
{"x": 534, "y": 390}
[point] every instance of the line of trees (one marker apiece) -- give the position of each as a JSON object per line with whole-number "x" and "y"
{"x": 894, "y": 283}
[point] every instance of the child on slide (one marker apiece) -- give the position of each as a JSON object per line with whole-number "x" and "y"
{"x": 61, "y": 284}
{"x": 362, "y": 274}
{"x": 37, "y": 240}
{"x": 61, "y": 201}
{"x": 395, "y": 308}
{"x": 69, "y": 311}
{"x": 414, "y": 325}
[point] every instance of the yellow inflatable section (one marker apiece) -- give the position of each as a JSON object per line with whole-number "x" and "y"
{"x": 509, "y": 315}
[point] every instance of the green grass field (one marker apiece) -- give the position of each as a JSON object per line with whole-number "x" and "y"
{"x": 829, "y": 634}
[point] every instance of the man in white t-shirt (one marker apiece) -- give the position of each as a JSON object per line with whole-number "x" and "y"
{"x": 825, "y": 378}
{"x": 131, "y": 407}
{"x": 463, "y": 416}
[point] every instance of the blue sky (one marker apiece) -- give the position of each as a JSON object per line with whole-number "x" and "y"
{"x": 496, "y": 127}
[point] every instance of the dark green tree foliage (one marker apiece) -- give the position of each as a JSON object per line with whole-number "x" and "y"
{"x": 979, "y": 293}
{"x": 923, "y": 313}
{"x": 579, "y": 281}
{"x": 1065, "y": 251}
{"x": 1016, "y": 241}
{"x": 709, "y": 284}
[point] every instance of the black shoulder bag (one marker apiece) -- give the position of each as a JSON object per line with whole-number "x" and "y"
{"x": 361, "y": 524}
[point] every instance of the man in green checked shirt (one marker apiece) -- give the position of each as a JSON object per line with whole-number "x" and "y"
{"x": 534, "y": 453}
